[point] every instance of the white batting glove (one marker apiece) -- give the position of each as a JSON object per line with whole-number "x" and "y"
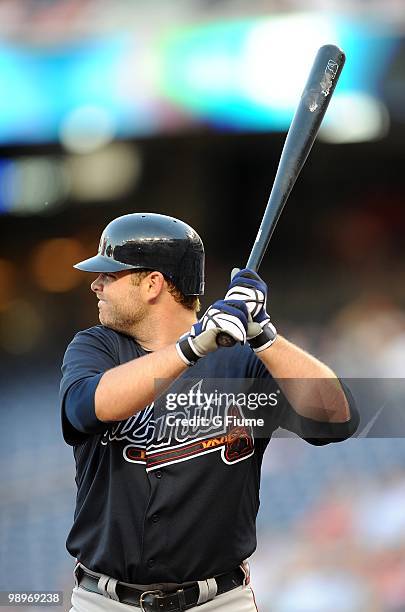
{"x": 247, "y": 285}
{"x": 230, "y": 316}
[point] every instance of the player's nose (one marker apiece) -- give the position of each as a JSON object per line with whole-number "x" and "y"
{"x": 97, "y": 284}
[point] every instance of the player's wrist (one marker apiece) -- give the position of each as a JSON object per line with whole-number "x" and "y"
{"x": 187, "y": 350}
{"x": 265, "y": 338}
{"x": 191, "y": 348}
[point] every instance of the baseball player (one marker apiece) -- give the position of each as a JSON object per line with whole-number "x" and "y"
{"x": 167, "y": 478}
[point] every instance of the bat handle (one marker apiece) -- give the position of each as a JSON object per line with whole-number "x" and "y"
{"x": 224, "y": 339}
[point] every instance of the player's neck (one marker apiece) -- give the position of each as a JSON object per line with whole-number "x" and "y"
{"x": 160, "y": 329}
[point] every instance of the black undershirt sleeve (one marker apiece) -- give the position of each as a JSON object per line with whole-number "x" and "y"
{"x": 88, "y": 356}
{"x": 316, "y": 432}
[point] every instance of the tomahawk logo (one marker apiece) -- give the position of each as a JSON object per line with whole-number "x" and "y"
{"x": 234, "y": 443}
{"x": 156, "y": 440}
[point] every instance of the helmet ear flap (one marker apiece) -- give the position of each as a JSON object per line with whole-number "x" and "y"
{"x": 155, "y": 242}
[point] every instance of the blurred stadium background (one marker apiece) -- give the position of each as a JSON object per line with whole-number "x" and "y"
{"x": 113, "y": 106}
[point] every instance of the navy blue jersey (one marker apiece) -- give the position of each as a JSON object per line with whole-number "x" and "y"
{"x": 172, "y": 493}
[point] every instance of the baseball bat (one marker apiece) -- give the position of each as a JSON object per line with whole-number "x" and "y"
{"x": 301, "y": 136}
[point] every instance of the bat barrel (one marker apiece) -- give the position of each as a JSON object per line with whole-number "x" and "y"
{"x": 321, "y": 83}
{"x": 305, "y": 125}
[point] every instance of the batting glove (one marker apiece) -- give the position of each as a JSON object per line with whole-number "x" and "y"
{"x": 229, "y": 316}
{"x": 246, "y": 285}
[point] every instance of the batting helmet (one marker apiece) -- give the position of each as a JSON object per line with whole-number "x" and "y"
{"x": 153, "y": 242}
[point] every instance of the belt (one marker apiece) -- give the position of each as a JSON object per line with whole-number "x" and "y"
{"x": 160, "y": 601}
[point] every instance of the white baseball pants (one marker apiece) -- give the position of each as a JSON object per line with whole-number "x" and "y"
{"x": 240, "y": 599}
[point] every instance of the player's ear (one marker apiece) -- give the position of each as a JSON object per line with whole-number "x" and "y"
{"x": 152, "y": 285}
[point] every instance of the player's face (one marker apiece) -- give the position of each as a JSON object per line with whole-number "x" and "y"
{"x": 120, "y": 306}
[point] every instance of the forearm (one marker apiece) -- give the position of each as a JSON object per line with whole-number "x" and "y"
{"x": 311, "y": 387}
{"x": 126, "y": 389}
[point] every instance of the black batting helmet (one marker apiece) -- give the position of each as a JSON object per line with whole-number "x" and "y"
{"x": 153, "y": 242}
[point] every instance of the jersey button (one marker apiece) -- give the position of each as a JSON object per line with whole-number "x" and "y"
{"x": 155, "y": 518}
{"x": 158, "y": 474}
{"x": 151, "y": 562}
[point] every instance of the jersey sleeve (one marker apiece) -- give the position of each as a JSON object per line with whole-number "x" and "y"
{"x": 314, "y": 432}
{"x": 91, "y": 353}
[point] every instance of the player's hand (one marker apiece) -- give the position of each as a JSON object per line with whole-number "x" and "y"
{"x": 230, "y": 316}
{"x": 247, "y": 285}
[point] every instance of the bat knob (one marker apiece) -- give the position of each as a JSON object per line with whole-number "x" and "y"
{"x": 225, "y": 340}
